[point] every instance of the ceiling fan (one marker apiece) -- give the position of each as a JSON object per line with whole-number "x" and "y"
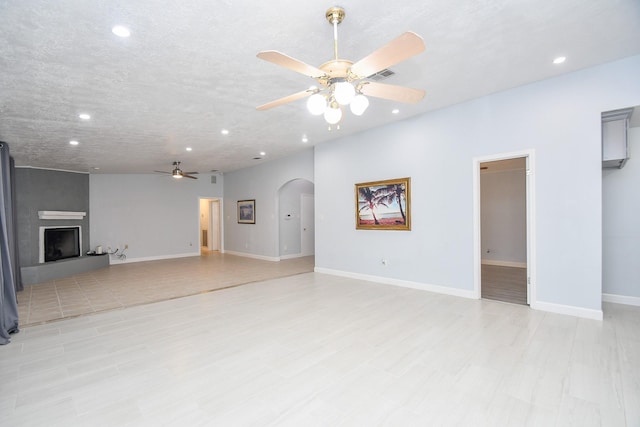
{"x": 343, "y": 82}
{"x": 177, "y": 172}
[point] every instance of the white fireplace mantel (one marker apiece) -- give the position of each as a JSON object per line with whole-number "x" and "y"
{"x": 61, "y": 215}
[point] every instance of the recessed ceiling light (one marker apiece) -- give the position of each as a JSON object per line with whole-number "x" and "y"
{"x": 96, "y": 168}
{"x": 559, "y": 60}
{"x": 121, "y": 31}
{"x": 262, "y": 153}
{"x": 189, "y": 148}
{"x": 84, "y": 116}
{"x": 305, "y": 139}
{"x": 395, "y": 111}
{"x": 224, "y": 132}
{"x": 74, "y": 142}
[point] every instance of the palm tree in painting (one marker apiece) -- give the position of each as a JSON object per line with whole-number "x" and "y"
{"x": 368, "y": 201}
{"x": 388, "y": 194}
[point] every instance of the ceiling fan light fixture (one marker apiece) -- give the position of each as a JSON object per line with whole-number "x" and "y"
{"x": 333, "y": 114}
{"x": 341, "y": 81}
{"x": 317, "y": 104}
{"x": 344, "y": 92}
{"x": 359, "y": 104}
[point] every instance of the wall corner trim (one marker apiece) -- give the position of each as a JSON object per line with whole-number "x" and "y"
{"x": 402, "y": 283}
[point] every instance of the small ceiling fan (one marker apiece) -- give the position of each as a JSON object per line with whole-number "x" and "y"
{"x": 177, "y": 172}
{"x": 343, "y": 82}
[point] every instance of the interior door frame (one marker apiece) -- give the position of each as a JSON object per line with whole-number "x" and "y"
{"x": 304, "y": 215}
{"x": 210, "y": 225}
{"x": 529, "y": 156}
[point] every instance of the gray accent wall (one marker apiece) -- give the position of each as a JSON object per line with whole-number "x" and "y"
{"x": 48, "y": 190}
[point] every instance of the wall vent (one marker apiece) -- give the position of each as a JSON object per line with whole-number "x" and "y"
{"x": 213, "y": 179}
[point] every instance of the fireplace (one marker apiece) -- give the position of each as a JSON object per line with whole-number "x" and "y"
{"x": 58, "y": 243}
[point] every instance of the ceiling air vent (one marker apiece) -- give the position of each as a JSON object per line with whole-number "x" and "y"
{"x": 381, "y": 75}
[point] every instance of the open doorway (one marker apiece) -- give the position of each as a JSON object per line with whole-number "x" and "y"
{"x": 503, "y": 228}
{"x": 296, "y": 230}
{"x": 210, "y": 227}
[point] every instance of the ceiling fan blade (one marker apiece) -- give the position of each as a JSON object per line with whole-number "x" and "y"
{"x": 286, "y": 61}
{"x": 163, "y": 172}
{"x": 285, "y": 100}
{"x": 394, "y": 52}
{"x": 392, "y": 92}
{"x": 186, "y": 175}
{"x": 191, "y": 173}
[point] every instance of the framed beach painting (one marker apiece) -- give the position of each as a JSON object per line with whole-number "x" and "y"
{"x": 246, "y": 211}
{"x": 384, "y": 205}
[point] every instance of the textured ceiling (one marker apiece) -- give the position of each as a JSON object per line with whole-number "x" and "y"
{"x": 189, "y": 70}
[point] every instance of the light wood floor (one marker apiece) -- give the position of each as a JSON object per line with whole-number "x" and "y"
{"x": 125, "y": 285}
{"x": 508, "y": 284}
{"x": 319, "y": 350}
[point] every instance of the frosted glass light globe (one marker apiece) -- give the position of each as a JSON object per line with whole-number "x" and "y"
{"x": 316, "y": 104}
{"x": 359, "y": 104}
{"x": 344, "y": 92}
{"x": 333, "y": 114}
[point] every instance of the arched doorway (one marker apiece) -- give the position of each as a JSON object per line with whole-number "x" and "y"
{"x": 296, "y": 219}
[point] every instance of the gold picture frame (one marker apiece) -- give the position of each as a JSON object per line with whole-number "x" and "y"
{"x": 384, "y": 205}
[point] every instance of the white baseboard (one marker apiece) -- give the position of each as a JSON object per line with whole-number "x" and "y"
{"x": 504, "y": 263}
{"x": 396, "y": 282}
{"x": 292, "y": 256}
{"x": 115, "y": 260}
{"x": 569, "y": 310}
{"x": 248, "y": 255}
{"x": 621, "y": 299}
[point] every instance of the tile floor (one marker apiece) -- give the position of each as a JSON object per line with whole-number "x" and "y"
{"x": 318, "y": 350}
{"x": 125, "y": 285}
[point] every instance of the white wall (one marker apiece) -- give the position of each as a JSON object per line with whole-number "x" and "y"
{"x": 261, "y": 183}
{"x": 156, "y": 215}
{"x": 504, "y": 226}
{"x": 558, "y": 118}
{"x": 621, "y": 225}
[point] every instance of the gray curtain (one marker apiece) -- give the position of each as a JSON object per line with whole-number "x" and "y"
{"x": 9, "y": 272}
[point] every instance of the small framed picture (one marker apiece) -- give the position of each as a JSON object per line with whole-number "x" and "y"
{"x": 384, "y": 205}
{"x": 246, "y": 211}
